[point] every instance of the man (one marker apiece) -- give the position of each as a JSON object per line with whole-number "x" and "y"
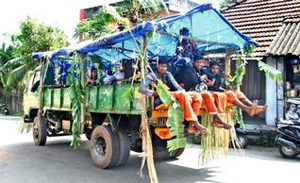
{"x": 205, "y": 77}
{"x": 191, "y": 77}
{"x": 93, "y": 79}
{"x": 190, "y": 103}
{"x": 113, "y": 78}
{"x": 291, "y": 113}
{"x": 185, "y": 48}
{"x": 235, "y": 97}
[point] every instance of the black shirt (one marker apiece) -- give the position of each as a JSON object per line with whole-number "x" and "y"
{"x": 217, "y": 84}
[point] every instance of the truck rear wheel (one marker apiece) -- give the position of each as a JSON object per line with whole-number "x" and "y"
{"x": 39, "y": 131}
{"x": 124, "y": 146}
{"x": 104, "y": 148}
{"x": 161, "y": 151}
{"x": 176, "y": 153}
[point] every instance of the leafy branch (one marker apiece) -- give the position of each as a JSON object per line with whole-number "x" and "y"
{"x": 76, "y": 94}
{"x": 175, "y": 117}
{"x": 270, "y": 72}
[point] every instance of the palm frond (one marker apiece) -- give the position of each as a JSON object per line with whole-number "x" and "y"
{"x": 13, "y": 63}
{"x": 16, "y": 76}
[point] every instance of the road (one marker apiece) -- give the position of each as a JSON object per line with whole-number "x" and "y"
{"x": 23, "y": 162}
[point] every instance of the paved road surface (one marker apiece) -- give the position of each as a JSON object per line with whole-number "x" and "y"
{"x": 22, "y": 162}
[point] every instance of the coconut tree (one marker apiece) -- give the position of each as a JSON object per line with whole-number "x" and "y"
{"x": 6, "y": 54}
{"x": 33, "y": 37}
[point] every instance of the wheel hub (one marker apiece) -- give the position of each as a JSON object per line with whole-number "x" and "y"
{"x": 35, "y": 130}
{"x": 100, "y": 147}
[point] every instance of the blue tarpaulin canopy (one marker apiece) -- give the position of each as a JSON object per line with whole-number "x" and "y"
{"x": 59, "y": 54}
{"x": 211, "y": 32}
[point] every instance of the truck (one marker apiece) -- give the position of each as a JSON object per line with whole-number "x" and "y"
{"x": 111, "y": 122}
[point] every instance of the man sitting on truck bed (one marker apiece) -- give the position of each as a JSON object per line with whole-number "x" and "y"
{"x": 235, "y": 97}
{"x": 191, "y": 76}
{"x": 93, "y": 79}
{"x": 190, "y": 102}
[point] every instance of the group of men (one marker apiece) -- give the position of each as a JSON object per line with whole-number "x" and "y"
{"x": 215, "y": 99}
{"x": 110, "y": 77}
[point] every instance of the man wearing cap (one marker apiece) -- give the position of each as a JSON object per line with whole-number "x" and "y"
{"x": 190, "y": 102}
{"x": 235, "y": 97}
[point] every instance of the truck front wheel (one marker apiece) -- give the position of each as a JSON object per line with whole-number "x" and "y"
{"x": 104, "y": 147}
{"x": 39, "y": 131}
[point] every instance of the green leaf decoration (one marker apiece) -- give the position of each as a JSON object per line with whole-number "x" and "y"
{"x": 175, "y": 117}
{"x": 237, "y": 80}
{"x": 151, "y": 34}
{"x": 216, "y": 143}
{"x": 163, "y": 92}
{"x": 129, "y": 94}
{"x": 270, "y": 72}
{"x": 76, "y": 95}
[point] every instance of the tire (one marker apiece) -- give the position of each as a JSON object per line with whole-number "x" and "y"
{"x": 287, "y": 152}
{"x": 174, "y": 154}
{"x": 104, "y": 148}
{"x": 160, "y": 152}
{"x": 242, "y": 140}
{"x": 124, "y": 147}
{"x": 39, "y": 131}
{"x": 196, "y": 139}
{"x": 88, "y": 134}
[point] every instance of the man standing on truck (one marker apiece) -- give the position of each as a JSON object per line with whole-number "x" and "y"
{"x": 191, "y": 103}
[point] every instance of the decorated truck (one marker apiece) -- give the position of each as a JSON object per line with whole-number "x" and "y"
{"x": 58, "y": 100}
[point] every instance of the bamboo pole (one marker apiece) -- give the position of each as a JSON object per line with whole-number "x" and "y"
{"x": 41, "y": 94}
{"x": 227, "y": 62}
{"x": 147, "y": 142}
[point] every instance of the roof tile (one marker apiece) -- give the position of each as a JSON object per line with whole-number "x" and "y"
{"x": 262, "y": 19}
{"x": 287, "y": 40}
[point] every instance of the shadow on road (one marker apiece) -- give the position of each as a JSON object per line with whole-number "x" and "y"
{"x": 57, "y": 162}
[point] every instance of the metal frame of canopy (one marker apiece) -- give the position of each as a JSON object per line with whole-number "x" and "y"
{"x": 122, "y": 44}
{"x": 166, "y": 27}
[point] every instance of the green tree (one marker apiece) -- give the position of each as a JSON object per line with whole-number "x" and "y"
{"x": 112, "y": 19}
{"x": 6, "y": 54}
{"x": 224, "y": 3}
{"x": 33, "y": 37}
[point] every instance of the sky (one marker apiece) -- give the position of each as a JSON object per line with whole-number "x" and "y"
{"x": 63, "y": 14}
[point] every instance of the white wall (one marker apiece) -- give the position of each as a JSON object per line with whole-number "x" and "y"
{"x": 280, "y": 91}
{"x": 271, "y": 96}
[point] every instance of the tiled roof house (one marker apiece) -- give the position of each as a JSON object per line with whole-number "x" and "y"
{"x": 275, "y": 25}
{"x": 261, "y": 19}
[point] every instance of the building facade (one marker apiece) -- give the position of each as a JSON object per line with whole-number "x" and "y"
{"x": 274, "y": 24}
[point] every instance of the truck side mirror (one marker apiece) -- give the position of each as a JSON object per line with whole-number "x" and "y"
{"x": 35, "y": 86}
